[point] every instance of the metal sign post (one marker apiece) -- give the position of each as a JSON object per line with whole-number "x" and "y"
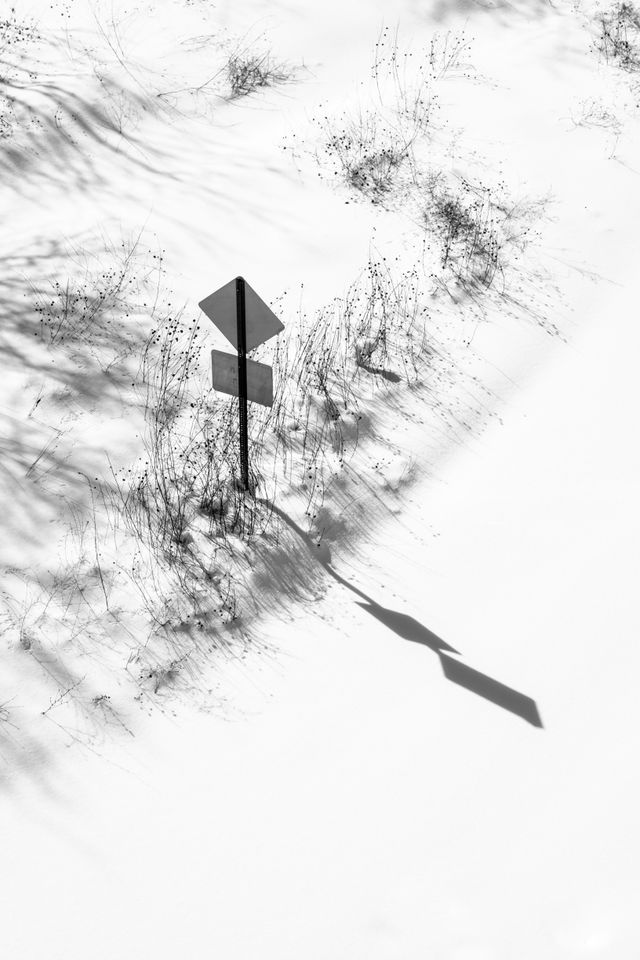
{"x": 246, "y": 321}
{"x": 242, "y": 382}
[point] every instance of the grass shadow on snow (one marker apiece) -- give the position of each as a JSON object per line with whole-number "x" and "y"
{"x": 21, "y": 755}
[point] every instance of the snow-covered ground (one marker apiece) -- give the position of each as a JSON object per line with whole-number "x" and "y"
{"x": 427, "y": 750}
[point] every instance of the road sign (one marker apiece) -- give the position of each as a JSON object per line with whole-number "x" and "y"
{"x": 261, "y": 322}
{"x": 259, "y": 377}
{"x": 246, "y": 321}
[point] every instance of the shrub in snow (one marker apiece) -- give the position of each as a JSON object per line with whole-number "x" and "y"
{"x": 620, "y": 35}
{"x": 371, "y": 150}
{"x": 465, "y": 222}
{"x": 247, "y": 72}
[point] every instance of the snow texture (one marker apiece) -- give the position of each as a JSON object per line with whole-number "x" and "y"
{"x": 383, "y": 705}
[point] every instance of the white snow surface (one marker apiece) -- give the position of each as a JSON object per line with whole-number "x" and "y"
{"x": 340, "y": 797}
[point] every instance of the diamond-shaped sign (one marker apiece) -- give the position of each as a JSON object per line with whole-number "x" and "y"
{"x": 261, "y": 321}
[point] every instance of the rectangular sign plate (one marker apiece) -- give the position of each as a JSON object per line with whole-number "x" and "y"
{"x": 259, "y": 377}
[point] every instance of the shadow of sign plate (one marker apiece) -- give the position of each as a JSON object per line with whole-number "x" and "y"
{"x": 260, "y": 321}
{"x": 259, "y": 377}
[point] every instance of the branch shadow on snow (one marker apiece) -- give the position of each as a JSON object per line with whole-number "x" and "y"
{"x": 71, "y": 352}
{"x": 43, "y": 129}
{"x": 54, "y": 134}
{"x": 70, "y": 323}
{"x": 408, "y": 628}
{"x": 100, "y": 136}
{"x": 55, "y": 700}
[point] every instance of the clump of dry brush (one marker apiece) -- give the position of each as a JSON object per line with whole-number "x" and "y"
{"x": 248, "y": 71}
{"x": 395, "y": 154}
{"x": 327, "y": 371}
{"x": 619, "y": 38}
{"x": 466, "y": 223}
{"x": 371, "y": 149}
{"x": 244, "y": 70}
{"x": 182, "y": 502}
{"x": 15, "y": 35}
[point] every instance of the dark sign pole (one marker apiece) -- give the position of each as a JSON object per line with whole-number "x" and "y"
{"x": 242, "y": 381}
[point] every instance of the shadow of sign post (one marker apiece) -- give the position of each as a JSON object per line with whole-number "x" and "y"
{"x": 484, "y": 686}
{"x": 407, "y": 627}
{"x": 404, "y": 625}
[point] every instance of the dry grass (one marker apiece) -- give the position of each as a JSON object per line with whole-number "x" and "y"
{"x": 248, "y": 71}
{"x": 465, "y": 222}
{"x": 619, "y": 38}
